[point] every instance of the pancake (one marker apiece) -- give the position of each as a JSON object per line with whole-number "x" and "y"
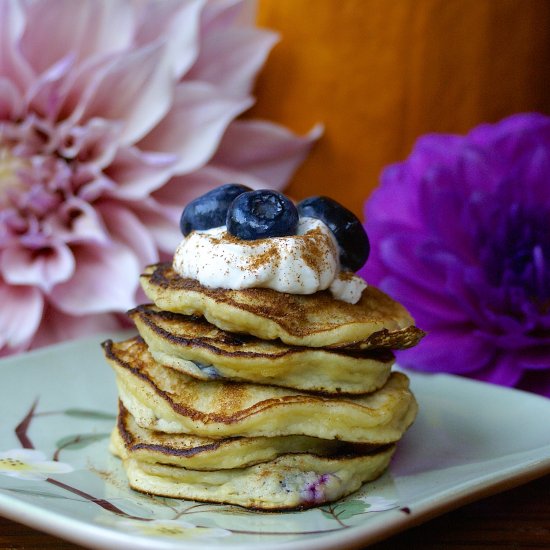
{"x": 163, "y": 399}
{"x": 128, "y": 440}
{"x": 294, "y": 481}
{"x": 314, "y": 320}
{"x": 201, "y": 350}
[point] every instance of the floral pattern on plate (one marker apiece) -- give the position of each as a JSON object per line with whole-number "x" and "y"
{"x": 59, "y": 407}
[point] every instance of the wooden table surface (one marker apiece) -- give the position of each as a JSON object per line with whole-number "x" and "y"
{"x": 517, "y": 519}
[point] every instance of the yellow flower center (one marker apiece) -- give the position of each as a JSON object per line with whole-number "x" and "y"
{"x": 165, "y": 530}
{"x": 14, "y": 465}
{"x": 169, "y": 530}
{"x": 9, "y": 166}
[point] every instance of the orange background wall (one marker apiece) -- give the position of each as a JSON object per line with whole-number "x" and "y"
{"x": 379, "y": 73}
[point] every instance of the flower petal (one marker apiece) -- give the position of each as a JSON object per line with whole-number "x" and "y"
{"x": 76, "y": 221}
{"x": 512, "y": 133}
{"x": 195, "y": 124}
{"x": 431, "y": 305}
{"x": 536, "y": 381}
{"x": 180, "y": 190}
{"x": 136, "y": 88}
{"x": 137, "y": 174}
{"x": 429, "y": 281}
{"x": 24, "y": 455}
{"x": 125, "y": 227}
{"x": 20, "y": 315}
{"x": 401, "y": 211}
{"x": 105, "y": 280}
{"x": 267, "y": 151}
{"x": 11, "y": 105}
{"x": 30, "y": 464}
{"x": 377, "y": 503}
{"x": 96, "y": 142}
{"x": 231, "y": 58}
{"x": 83, "y": 28}
{"x": 458, "y": 350}
{"x": 57, "y": 326}
{"x": 217, "y": 16}
{"x": 43, "y": 268}
{"x": 13, "y": 64}
{"x": 536, "y": 358}
{"x": 44, "y": 96}
{"x": 175, "y": 22}
{"x": 504, "y": 370}
{"x": 162, "y": 226}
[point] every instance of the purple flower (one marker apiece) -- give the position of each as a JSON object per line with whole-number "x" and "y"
{"x": 113, "y": 115}
{"x": 461, "y": 236}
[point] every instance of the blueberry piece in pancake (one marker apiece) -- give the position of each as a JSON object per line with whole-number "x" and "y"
{"x": 164, "y": 399}
{"x": 194, "y": 452}
{"x": 311, "y": 320}
{"x": 194, "y": 346}
{"x": 289, "y": 482}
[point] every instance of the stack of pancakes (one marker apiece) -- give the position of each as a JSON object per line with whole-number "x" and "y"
{"x": 259, "y": 398}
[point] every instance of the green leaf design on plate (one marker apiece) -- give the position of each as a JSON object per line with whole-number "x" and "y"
{"x": 79, "y": 441}
{"x": 346, "y": 509}
{"x": 86, "y": 413}
{"x": 350, "y": 508}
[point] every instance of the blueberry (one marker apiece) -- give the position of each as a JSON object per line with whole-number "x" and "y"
{"x": 345, "y": 226}
{"x": 210, "y": 210}
{"x": 261, "y": 214}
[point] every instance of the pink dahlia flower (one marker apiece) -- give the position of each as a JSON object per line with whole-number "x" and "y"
{"x": 460, "y": 234}
{"x": 113, "y": 115}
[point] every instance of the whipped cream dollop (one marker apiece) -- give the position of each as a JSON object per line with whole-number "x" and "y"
{"x": 304, "y": 263}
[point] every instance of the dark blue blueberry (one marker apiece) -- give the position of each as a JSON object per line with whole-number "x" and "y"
{"x": 261, "y": 214}
{"x": 210, "y": 210}
{"x": 345, "y": 226}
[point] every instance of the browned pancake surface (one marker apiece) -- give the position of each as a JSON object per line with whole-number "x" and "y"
{"x": 316, "y": 320}
{"x": 161, "y": 398}
{"x": 194, "y": 346}
{"x": 191, "y": 331}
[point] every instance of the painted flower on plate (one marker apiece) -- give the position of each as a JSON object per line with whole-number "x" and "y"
{"x": 171, "y": 528}
{"x": 377, "y": 503}
{"x": 113, "y": 115}
{"x": 30, "y": 464}
{"x": 461, "y": 237}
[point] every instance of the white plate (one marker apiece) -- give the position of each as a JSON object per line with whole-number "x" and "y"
{"x": 470, "y": 440}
